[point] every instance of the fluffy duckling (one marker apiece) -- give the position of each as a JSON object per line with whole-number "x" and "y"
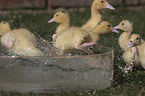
{"x": 78, "y": 38}
{"x": 64, "y": 20}
{"x": 124, "y": 38}
{"x": 103, "y": 28}
{"x": 4, "y": 27}
{"x": 132, "y": 53}
{"x": 140, "y": 47}
{"x": 97, "y": 5}
{"x": 19, "y": 41}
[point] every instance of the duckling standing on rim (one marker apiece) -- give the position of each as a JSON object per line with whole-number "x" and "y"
{"x": 96, "y": 17}
{"x": 129, "y": 53}
{"x": 19, "y": 41}
{"x": 79, "y": 38}
{"x": 124, "y": 38}
{"x": 139, "y": 44}
{"x": 64, "y": 20}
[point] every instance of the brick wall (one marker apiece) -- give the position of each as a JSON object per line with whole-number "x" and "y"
{"x": 4, "y": 4}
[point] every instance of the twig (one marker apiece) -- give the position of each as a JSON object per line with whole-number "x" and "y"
{"x": 142, "y": 90}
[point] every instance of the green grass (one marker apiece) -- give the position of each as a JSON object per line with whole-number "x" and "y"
{"x": 124, "y": 84}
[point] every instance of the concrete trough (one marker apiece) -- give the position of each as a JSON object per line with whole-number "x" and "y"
{"x": 54, "y": 74}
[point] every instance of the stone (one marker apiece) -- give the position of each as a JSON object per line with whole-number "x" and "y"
{"x": 54, "y": 74}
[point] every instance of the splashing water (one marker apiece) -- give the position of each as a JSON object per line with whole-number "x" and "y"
{"x": 49, "y": 50}
{"x": 45, "y": 46}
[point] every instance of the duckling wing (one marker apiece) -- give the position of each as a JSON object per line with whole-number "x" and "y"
{"x": 25, "y": 33}
{"x": 25, "y": 43}
{"x": 71, "y": 38}
{"x": 8, "y": 39}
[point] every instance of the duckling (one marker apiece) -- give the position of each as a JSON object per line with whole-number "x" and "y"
{"x": 78, "y": 38}
{"x": 4, "y": 27}
{"x": 131, "y": 53}
{"x": 19, "y": 41}
{"x": 124, "y": 38}
{"x": 103, "y": 28}
{"x": 64, "y": 20}
{"x": 139, "y": 43}
{"x": 96, "y": 17}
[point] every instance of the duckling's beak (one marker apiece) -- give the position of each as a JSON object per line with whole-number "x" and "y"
{"x": 52, "y": 20}
{"x": 114, "y": 30}
{"x": 131, "y": 43}
{"x": 110, "y": 6}
{"x": 117, "y": 27}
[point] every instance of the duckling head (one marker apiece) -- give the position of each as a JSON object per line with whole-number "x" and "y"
{"x": 60, "y": 17}
{"x": 125, "y": 25}
{"x": 4, "y": 27}
{"x": 135, "y": 40}
{"x": 105, "y": 27}
{"x": 101, "y": 4}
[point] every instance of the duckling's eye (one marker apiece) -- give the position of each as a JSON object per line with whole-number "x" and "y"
{"x": 108, "y": 25}
{"x": 102, "y": 1}
{"x": 57, "y": 15}
{"x": 137, "y": 38}
{"x": 63, "y": 11}
{"x": 122, "y": 23}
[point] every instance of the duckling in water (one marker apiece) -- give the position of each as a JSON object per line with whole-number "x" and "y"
{"x": 137, "y": 46}
{"x": 19, "y": 41}
{"x": 124, "y": 38}
{"x": 132, "y": 52}
{"x": 78, "y": 38}
{"x": 64, "y": 20}
{"x": 97, "y": 5}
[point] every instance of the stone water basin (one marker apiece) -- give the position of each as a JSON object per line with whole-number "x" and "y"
{"x": 54, "y": 74}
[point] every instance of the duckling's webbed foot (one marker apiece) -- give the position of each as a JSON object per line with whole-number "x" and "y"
{"x": 85, "y": 45}
{"x": 53, "y": 38}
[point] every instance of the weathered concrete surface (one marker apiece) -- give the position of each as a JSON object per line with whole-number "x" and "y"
{"x": 54, "y": 74}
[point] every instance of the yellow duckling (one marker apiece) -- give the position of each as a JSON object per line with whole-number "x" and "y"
{"x": 4, "y": 27}
{"x": 132, "y": 52}
{"x": 19, "y": 41}
{"x": 97, "y": 5}
{"x": 64, "y": 20}
{"x": 139, "y": 49}
{"x": 124, "y": 38}
{"x": 103, "y": 28}
{"x": 78, "y": 38}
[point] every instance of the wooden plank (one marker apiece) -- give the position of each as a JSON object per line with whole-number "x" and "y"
{"x": 4, "y": 4}
{"x": 131, "y": 2}
{"x": 142, "y": 1}
{"x": 68, "y": 3}
{"x": 72, "y": 3}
